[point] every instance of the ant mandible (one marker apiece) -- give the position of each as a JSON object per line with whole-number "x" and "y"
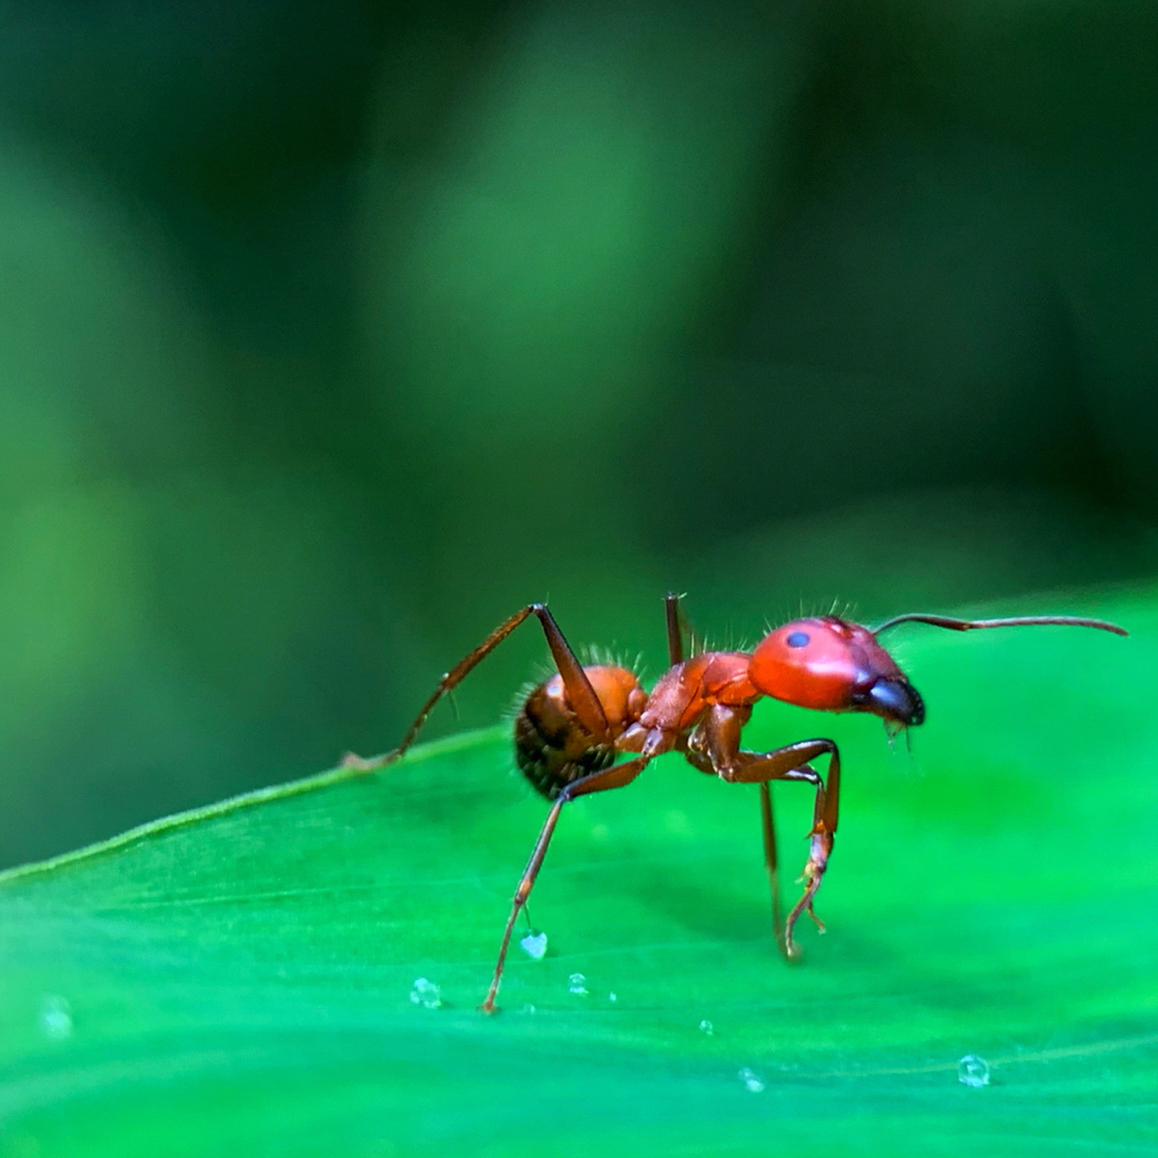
{"x": 572, "y": 727}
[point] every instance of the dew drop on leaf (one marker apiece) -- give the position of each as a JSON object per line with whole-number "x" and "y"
{"x": 706, "y": 1027}
{"x": 55, "y": 1018}
{"x": 973, "y": 1071}
{"x": 426, "y": 994}
{"x": 577, "y": 984}
{"x": 534, "y": 945}
{"x": 752, "y": 1080}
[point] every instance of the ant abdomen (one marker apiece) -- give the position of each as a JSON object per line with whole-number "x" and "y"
{"x": 553, "y": 748}
{"x": 552, "y": 754}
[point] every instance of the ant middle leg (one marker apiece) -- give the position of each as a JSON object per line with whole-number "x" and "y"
{"x": 677, "y": 628}
{"x": 580, "y": 693}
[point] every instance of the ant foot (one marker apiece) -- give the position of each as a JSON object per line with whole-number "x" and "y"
{"x": 820, "y": 846}
{"x": 358, "y": 763}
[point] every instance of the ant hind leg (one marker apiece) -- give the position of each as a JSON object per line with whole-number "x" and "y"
{"x": 617, "y": 776}
{"x": 580, "y": 693}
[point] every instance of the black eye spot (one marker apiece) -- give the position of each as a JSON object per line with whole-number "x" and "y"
{"x": 798, "y": 639}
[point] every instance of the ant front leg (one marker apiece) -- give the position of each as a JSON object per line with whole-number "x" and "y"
{"x": 716, "y": 743}
{"x": 581, "y": 695}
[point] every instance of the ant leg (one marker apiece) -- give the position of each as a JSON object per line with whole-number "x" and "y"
{"x": 771, "y": 860}
{"x": 789, "y": 763}
{"x": 580, "y": 693}
{"x": 676, "y": 628}
{"x": 702, "y": 762}
{"x": 617, "y": 776}
{"x": 718, "y": 740}
{"x": 741, "y": 772}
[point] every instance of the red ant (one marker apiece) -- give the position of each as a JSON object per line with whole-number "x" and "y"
{"x": 572, "y": 727}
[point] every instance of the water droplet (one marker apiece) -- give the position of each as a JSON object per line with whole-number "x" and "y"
{"x": 426, "y": 994}
{"x": 528, "y": 1008}
{"x": 973, "y": 1071}
{"x": 752, "y": 1081}
{"x": 55, "y": 1018}
{"x": 612, "y": 997}
{"x": 707, "y": 1027}
{"x": 534, "y": 945}
{"x": 577, "y": 984}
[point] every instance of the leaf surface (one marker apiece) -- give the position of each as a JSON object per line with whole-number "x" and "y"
{"x": 237, "y": 980}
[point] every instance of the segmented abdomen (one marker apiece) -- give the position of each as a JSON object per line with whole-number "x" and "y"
{"x": 552, "y": 748}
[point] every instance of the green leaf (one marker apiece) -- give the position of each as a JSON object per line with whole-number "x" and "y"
{"x": 237, "y": 980}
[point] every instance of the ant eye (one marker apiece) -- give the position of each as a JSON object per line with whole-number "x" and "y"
{"x": 798, "y": 639}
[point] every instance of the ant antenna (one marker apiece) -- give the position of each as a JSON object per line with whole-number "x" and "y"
{"x": 1019, "y": 621}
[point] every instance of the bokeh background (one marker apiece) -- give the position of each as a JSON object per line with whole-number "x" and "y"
{"x": 330, "y": 335}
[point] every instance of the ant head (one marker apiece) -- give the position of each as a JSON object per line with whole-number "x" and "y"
{"x": 836, "y": 666}
{"x": 830, "y": 664}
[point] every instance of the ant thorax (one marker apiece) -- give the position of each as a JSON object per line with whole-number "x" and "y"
{"x": 686, "y": 690}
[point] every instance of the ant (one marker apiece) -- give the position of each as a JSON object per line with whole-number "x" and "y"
{"x": 573, "y": 726}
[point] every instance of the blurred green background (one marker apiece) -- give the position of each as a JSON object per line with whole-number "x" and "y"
{"x": 330, "y": 335}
